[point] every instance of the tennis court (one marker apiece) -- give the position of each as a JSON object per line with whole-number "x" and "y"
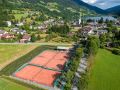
{"x": 28, "y": 72}
{"x": 44, "y": 68}
{"x": 38, "y": 75}
{"x": 51, "y": 59}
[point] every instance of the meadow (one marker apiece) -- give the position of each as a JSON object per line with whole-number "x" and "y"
{"x": 9, "y": 53}
{"x": 105, "y": 72}
{"x": 8, "y": 85}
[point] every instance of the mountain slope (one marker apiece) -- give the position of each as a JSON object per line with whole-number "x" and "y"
{"x": 3, "y": 12}
{"x": 114, "y": 10}
{"x": 55, "y": 8}
{"x": 94, "y": 8}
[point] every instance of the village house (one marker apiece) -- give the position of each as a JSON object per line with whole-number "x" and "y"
{"x": 18, "y": 31}
{"x": 75, "y": 24}
{"x": 42, "y": 26}
{"x": 7, "y": 36}
{"x": 99, "y": 32}
{"x": 9, "y": 23}
{"x": 71, "y": 34}
{"x": 49, "y": 21}
{"x": 21, "y": 32}
{"x": 87, "y": 30}
{"x": 19, "y": 24}
{"x": 25, "y": 39}
{"x": 61, "y": 22}
{"x": 2, "y": 32}
{"x": 101, "y": 26}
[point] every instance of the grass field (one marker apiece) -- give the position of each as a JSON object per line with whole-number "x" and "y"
{"x": 118, "y": 28}
{"x": 19, "y": 16}
{"x": 105, "y": 73}
{"x": 8, "y": 85}
{"x": 9, "y": 53}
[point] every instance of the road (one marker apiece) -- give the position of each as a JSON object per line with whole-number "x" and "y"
{"x": 53, "y": 44}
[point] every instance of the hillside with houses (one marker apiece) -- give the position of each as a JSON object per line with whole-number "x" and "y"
{"x": 59, "y": 45}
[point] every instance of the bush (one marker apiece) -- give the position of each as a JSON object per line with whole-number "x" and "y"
{"x": 83, "y": 82}
{"x": 116, "y": 51}
{"x": 79, "y": 52}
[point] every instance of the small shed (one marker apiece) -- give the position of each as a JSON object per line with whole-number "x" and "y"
{"x": 63, "y": 48}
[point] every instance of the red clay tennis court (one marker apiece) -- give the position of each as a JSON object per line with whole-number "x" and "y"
{"x": 51, "y": 59}
{"x": 38, "y": 75}
{"x": 46, "y": 77}
{"x": 40, "y": 69}
{"x": 28, "y": 72}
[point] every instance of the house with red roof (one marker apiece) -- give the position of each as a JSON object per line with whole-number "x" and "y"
{"x": 26, "y": 38}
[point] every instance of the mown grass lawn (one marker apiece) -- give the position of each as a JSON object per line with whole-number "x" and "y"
{"x": 19, "y": 16}
{"x": 8, "y": 85}
{"x": 9, "y": 53}
{"x": 105, "y": 73}
{"x": 118, "y": 28}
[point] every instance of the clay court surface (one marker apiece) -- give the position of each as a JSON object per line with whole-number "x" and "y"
{"x": 51, "y": 59}
{"x": 48, "y": 59}
{"x": 38, "y": 75}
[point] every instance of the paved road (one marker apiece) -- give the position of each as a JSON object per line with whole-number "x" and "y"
{"x": 55, "y": 44}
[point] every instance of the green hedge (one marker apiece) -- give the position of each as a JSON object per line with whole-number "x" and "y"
{"x": 12, "y": 67}
{"x": 116, "y": 51}
{"x": 74, "y": 65}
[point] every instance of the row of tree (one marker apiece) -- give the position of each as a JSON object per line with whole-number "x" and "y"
{"x": 4, "y": 16}
{"x": 62, "y": 29}
{"x": 92, "y": 45}
{"x": 73, "y": 68}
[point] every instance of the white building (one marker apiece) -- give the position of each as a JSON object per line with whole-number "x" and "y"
{"x": 80, "y": 21}
{"x": 8, "y": 23}
{"x": 20, "y": 24}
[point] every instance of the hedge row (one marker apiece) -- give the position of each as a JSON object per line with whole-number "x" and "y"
{"x": 73, "y": 68}
{"x": 115, "y": 51}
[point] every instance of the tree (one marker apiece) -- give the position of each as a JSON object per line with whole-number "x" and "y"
{"x": 38, "y": 37}
{"x": 3, "y": 12}
{"x": 79, "y": 52}
{"x": 33, "y": 38}
{"x": 102, "y": 40}
{"x": 93, "y": 45}
{"x": 101, "y": 20}
{"x": 19, "y": 36}
{"x": 62, "y": 30}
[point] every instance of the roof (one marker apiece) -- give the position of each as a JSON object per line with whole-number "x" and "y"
{"x": 2, "y": 32}
{"x": 21, "y": 30}
{"x": 26, "y": 36}
{"x": 102, "y": 31}
{"x": 14, "y": 29}
{"x": 63, "y": 48}
{"x": 18, "y": 30}
{"x": 6, "y": 35}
